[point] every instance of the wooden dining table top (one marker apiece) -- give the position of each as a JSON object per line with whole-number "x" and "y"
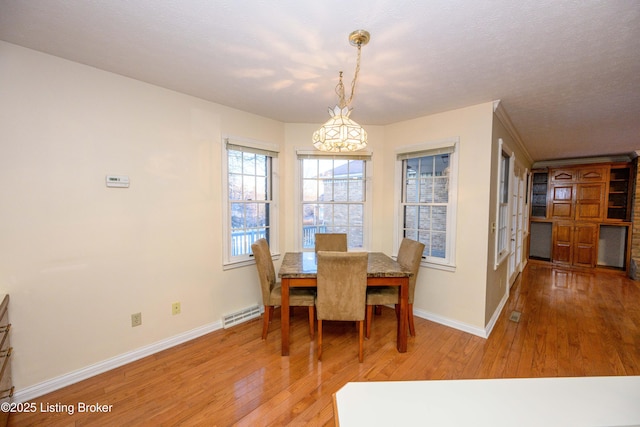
{"x": 301, "y": 265}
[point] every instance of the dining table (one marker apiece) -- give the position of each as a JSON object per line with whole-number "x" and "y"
{"x": 300, "y": 269}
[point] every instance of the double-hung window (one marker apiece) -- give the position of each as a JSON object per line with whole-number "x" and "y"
{"x": 427, "y": 209}
{"x": 250, "y": 214}
{"x": 505, "y": 167}
{"x": 334, "y": 198}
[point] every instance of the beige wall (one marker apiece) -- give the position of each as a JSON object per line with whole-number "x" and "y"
{"x": 458, "y": 297}
{"x": 78, "y": 258}
{"x": 497, "y": 280}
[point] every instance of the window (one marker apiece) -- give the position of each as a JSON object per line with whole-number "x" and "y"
{"x": 505, "y": 167}
{"x": 250, "y": 209}
{"x": 428, "y": 201}
{"x": 503, "y": 204}
{"x": 333, "y": 198}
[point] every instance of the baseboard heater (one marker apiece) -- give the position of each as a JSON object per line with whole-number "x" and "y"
{"x": 240, "y": 316}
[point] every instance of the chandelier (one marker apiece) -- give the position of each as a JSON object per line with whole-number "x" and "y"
{"x": 340, "y": 133}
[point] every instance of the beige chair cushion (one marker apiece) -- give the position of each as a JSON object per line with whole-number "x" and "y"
{"x": 297, "y": 297}
{"x": 409, "y": 257}
{"x": 271, "y": 291}
{"x": 382, "y": 295}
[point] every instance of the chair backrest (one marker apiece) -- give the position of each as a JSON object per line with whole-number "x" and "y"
{"x": 410, "y": 256}
{"x": 264, "y": 264}
{"x": 342, "y": 285}
{"x": 335, "y": 242}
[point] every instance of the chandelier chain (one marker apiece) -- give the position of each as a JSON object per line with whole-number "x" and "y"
{"x": 342, "y": 101}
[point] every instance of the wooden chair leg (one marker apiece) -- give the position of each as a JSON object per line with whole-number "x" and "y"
{"x": 369, "y": 316}
{"x": 311, "y": 321}
{"x": 412, "y": 327}
{"x": 268, "y": 311}
{"x": 361, "y": 340}
{"x": 378, "y": 310}
{"x": 319, "y": 339}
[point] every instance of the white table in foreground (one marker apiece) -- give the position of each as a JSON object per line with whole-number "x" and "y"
{"x": 583, "y": 401}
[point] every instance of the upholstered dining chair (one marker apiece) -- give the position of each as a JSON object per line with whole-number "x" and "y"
{"x": 272, "y": 292}
{"x": 409, "y": 257}
{"x": 342, "y": 289}
{"x": 331, "y": 242}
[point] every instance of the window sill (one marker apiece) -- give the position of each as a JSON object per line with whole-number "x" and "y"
{"x": 230, "y": 265}
{"x": 435, "y": 266}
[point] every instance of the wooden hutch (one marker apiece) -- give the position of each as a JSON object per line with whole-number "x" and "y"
{"x": 581, "y": 214}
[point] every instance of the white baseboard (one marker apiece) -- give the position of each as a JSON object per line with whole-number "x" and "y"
{"x": 483, "y": 333}
{"x": 53, "y": 384}
{"x": 57, "y": 383}
{"x": 450, "y": 323}
{"x": 496, "y": 314}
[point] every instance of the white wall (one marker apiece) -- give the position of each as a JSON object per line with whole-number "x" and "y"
{"x": 77, "y": 258}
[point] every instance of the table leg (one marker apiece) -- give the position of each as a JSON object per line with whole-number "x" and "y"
{"x": 402, "y": 321}
{"x": 284, "y": 316}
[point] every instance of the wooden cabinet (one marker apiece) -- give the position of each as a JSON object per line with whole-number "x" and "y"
{"x": 575, "y": 244}
{"x": 6, "y": 387}
{"x": 578, "y": 193}
{"x": 590, "y": 201}
{"x": 579, "y": 199}
{"x": 562, "y": 201}
{"x": 562, "y": 242}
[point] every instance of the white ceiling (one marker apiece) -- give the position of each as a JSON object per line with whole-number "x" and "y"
{"x": 566, "y": 71}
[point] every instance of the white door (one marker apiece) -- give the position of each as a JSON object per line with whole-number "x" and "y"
{"x": 516, "y": 224}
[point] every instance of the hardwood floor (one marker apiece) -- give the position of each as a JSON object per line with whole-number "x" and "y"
{"x": 572, "y": 324}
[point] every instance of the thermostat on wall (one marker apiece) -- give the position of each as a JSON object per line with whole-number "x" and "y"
{"x": 120, "y": 181}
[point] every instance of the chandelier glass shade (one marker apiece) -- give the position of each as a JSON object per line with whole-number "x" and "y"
{"x": 340, "y": 133}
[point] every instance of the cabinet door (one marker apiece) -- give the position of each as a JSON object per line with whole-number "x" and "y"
{"x": 561, "y": 203}
{"x": 585, "y": 239}
{"x": 575, "y": 244}
{"x": 590, "y": 201}
{"x": 563, "y": 242}
{"x": 591, "y": 174}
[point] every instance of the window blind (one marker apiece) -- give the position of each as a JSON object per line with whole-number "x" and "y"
{"x": 249, "y": 148}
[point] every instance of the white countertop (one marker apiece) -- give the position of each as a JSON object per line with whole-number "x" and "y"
{"x": 583, "y": 401}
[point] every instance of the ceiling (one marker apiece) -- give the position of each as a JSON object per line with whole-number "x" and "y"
{"x": 567, "y": 72}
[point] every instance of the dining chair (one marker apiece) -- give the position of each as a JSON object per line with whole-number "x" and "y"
{"x": 409, "y": 257}
{"x": 331, "y": 242}
{"x": 341, "y": 291}
{"x": 272, "y": 292}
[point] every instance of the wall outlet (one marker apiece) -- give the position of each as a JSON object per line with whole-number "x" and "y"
{"x": 136, "y": 319}
{"x": 175, "y": 308}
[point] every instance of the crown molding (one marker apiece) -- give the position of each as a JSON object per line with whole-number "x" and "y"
{"x": 504, "y": 118}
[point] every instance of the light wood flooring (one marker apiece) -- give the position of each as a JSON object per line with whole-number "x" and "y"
{"x": 572, "y": 324}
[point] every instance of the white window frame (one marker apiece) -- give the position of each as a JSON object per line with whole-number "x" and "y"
{"x": 452, "y": 145}
{"x": 503, "y": 210}
{"x": 368, "y": 206}
{"x": 230, "y": 261}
